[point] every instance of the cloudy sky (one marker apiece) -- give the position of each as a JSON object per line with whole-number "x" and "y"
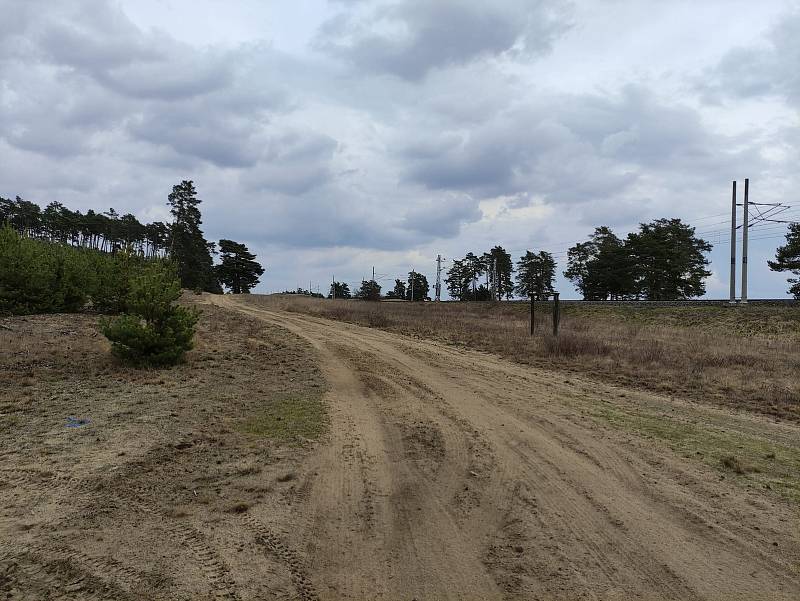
{"x": 332, "y": 136}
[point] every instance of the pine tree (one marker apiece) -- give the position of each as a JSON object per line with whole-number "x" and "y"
{"x": 601, "y": 268}
{"x": 339, "y": 290}
{"x": 399, "y": 290}
{"x": 668, "y": 261}
{"x": 457, "y": 281}
{"x": 238, "y": 269}
{"x": 787, "y": 258}
{"x": 535, "y": 275}
{"x": 474, "y": 266}
{"x": 370, "y": 290}
{"x": 497, "y": 264}
{"x": 417, "y": 288}
{"x": 188, "y": 249}
{"x": 155, "y": 332}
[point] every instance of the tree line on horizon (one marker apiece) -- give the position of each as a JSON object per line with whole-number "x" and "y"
{"x": 662, "y": 260}
{"x": 415, "y": 288}
{"x": 181, "y": 241}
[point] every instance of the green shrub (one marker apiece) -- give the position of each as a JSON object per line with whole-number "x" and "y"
{"x": 40, "y": 277}
{"x": 24, "y": 275}
{"x": 155, "y": 332}
{"x": 73, "y": 280}
{"x": 113, "y": 274}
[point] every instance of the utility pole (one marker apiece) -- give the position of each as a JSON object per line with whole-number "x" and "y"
{"x": 745, "y": 227}
{"x": 373, "y": 273}
{"x": 333, "y": 287}
{"x": 412, "y": 284}
{"x": 733, "y": 245}
{"x": 438, "y": 278}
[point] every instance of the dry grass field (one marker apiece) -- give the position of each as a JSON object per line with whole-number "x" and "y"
{"x": 746, "y": 357}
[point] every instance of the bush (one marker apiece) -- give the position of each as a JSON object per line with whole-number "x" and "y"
{"x": 154, "y": 333}
{"x": 113, "y": 274}
{"x": 40, "y": 277}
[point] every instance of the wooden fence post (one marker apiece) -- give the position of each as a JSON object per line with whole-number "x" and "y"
{"x": 556, "y": 313}
{"x": 533, "y": 314}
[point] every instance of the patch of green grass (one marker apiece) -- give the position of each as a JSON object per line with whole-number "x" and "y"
{"x": 746, "y": 459}
{"x": 289, "y": 419}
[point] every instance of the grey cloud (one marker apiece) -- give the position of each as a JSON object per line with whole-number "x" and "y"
{"x": 325, "y": 217}
{"x": 219, "y": 139}
{"x": 292, "y": 163}
{"x": 410, "y": 38}
{"x": 770, "y": 68}
{"x": 442, "y": 217}
{"x": 521, "y": 152}
{"x": 82, "y": 71}
{"x": 95, "y": 38}
{"x": 572, "y": 148}
{"x": 45, "y": 112}
{"x": 90, "y": 35}
{"x": 176, "y": 75}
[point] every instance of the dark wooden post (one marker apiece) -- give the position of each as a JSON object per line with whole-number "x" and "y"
{"x": 556, "y": 313}
{"x": 533, "y": 314}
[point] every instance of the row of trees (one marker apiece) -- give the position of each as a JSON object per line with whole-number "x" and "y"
{"x": 107, "y": 232}
{"x": 415, "y": 288}
{"x": 535, "y": 273}
{"x": 182, "y": 241}
{"x": 663, "y": 260}
{"x": 463, "y": 279}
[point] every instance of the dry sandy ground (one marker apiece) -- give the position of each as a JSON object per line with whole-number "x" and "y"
{"x": 446, "y": 474}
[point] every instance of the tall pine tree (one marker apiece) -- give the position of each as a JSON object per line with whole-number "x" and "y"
{"x": 497, "y": 264}
{"x": 238, "y": 270}
{"x": 535, "y": 274}
{"x": 188, "y": 249}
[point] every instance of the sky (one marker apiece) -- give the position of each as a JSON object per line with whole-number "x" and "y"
{"x": 334, "y": 136}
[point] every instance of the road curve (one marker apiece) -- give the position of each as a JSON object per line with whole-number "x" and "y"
{"x": 451, "y": 474}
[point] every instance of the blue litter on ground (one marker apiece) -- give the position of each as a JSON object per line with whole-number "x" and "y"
{"x": 74, "y": 422}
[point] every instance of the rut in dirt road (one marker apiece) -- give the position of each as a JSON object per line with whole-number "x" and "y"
{"x": 454, "y": 475}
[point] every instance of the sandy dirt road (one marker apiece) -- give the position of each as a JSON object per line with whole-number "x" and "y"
{"x": 450, "y": 474}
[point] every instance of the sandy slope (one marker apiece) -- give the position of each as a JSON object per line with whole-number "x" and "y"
{"x": 453, "y": 475}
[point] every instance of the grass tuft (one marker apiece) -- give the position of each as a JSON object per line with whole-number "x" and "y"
{"x": 292, "y": 419}
{"x": 732, "y": 463}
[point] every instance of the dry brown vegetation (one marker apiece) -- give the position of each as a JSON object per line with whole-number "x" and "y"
{"x": 745, "y": 357}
